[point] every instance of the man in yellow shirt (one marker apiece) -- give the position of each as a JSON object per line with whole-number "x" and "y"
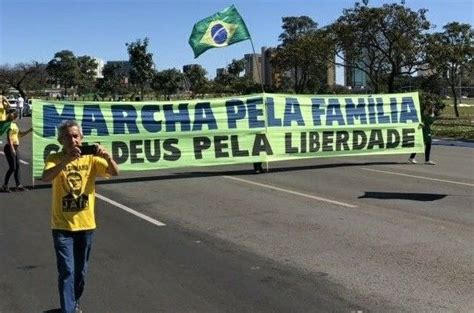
{"x": 72, "y": 213}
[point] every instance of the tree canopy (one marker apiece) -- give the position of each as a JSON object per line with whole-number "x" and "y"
{"x": 303, "y": 53}
{"x": 142, "y": 71}
{"x": 113, "y": 82}
{"x": 69, "y": 71}
{"x": 63, "y": 69}
{"x": 450, "y": 54}
{"x": 383, "y": 42}
{"x": 24, "y": 77}
{"x": 167, "y": 82}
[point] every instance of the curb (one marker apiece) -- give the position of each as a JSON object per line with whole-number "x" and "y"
{"x": 453, "y": 142}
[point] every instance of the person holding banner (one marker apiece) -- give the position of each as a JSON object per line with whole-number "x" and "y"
{"x": 428, "y": 118}
{"x": 12, "y": 151}
{"x": 72, "y": 172}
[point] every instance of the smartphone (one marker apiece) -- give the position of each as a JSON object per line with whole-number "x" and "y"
{"x": 89, "y": 149}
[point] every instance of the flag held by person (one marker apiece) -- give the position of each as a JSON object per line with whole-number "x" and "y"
{"x": 4, "y": 127}
{"x": 222, "y": 29}
{"x": 4, "y": 110}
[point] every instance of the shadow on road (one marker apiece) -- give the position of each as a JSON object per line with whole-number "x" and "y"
{"x": 196, "y": 174}
{"x": 403, "y": 196}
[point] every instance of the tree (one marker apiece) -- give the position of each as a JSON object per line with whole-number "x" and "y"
{"x": 196, "y": 80}
{"x": 86, "y": 74}
{"x": 231, "y": 80}
{"x": 63, "y": 69}
{"x": 236, "y": 67}
{"x": 24, "y": 77}
{"x": 384, "y": 42}
{"x": 113, "y": 83}
{"x": 142, "y": 67}
{"x": 167, "y": 82}
{"x": 450, "y": 55}
{"x": 303, "y": 52}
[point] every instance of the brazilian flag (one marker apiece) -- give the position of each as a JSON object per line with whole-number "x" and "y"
{"x": 222, "y": 29}
{"x": 4, "y": 126}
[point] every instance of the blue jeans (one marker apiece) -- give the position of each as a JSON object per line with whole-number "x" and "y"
{"x": 72, "y": 253}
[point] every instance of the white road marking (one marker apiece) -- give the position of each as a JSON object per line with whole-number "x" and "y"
{"x": 21, "y": 161}
{"x": 292, "y": 192}
{"x": 131, "y": 211}
{"x": 421, "y": 177}
{"x": 121, "y": 206}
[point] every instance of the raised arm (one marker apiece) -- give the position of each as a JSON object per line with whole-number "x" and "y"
{"x": 50, "y": 173}
{"x": 112, "y": 167}
{"x": 24, "y": 133}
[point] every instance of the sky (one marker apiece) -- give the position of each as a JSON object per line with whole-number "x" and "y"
{"x": 34, "y": 30}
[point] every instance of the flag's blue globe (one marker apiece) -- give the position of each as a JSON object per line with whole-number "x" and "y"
{"x": 219, "y": 34}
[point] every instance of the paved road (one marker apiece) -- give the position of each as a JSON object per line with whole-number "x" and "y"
{"x": 371, "y": 234}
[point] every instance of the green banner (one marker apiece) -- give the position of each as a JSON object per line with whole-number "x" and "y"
{"x": 261, "y": 127}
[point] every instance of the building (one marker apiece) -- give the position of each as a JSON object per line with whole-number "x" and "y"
{"x": 270, "y": 75}
{"x": 253, "y": 63}
{"x": 354, "y": 77}
{"x": 331, "y": 75}
{"x": 220, "y": 71}
{"x": 99, "y": 68}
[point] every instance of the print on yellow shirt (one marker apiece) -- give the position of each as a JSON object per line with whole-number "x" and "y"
{"x": 74, "y": 191}
{"x": 75, "y": 200}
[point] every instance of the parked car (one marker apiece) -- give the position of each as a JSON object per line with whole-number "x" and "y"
{"x": 27, "y": 106}
{"x": 13, "y": 103}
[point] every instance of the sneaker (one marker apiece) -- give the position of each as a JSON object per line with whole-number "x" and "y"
{"x": 77, "y": 309}
{"x": 21, "y": 188}
{"x": 412, "y": 161}
{"x": 430, "y": 163}
{"x": 5, "y": 189}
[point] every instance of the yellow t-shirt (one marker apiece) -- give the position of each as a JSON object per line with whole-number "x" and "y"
{"x": 13, "y": 134}
{"x": 74, "y": 191}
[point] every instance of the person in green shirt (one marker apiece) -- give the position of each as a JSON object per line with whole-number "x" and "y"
{"x": 428, "y": 118}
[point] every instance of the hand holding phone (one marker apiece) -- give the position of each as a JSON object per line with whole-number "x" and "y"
{"x": 89, "y": 149}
